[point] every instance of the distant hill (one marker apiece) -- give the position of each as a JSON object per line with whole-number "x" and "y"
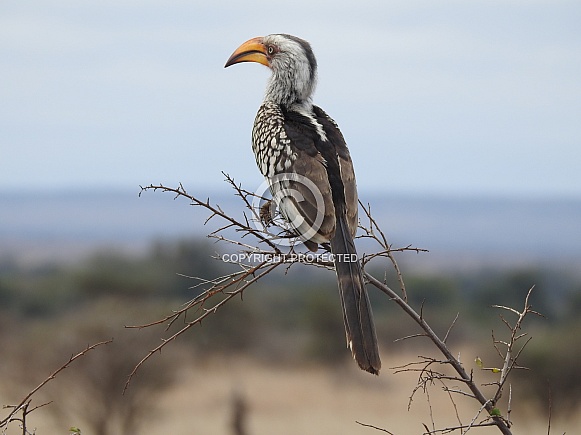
{"x": 458, "y": 232}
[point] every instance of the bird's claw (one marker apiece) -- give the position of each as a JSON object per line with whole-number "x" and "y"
{"x": 266, "y": 213}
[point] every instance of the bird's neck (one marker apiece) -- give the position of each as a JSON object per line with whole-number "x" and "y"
{"x": 291, "y": 88}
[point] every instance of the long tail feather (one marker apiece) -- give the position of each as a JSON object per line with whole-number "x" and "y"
{"x": 359, "y": 326}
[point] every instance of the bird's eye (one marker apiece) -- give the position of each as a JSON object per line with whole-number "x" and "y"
{"x": 270, "y": 49}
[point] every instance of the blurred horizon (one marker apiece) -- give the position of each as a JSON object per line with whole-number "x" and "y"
{"x": 459, "y": 232}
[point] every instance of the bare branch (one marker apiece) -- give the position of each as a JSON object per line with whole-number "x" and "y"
{"x": 459, "y": 427}
{"x": 510, "y": 355}
{"x": 23, "y": 406}
{"x": 239, "y": 284}
{"x": 374, "y": 427}
{"x": 373, "y": 231}
{"x": 419, "y": 319}
{"x": 450, "y": 328}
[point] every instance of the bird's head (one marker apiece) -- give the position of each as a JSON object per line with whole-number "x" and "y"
{"x": 293, "y": 65}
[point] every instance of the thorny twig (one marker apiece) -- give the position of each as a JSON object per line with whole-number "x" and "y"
{"x": 234, "y": 286}
{"x": 463, "y": 376}
{"x": 374, "y": 427}
{"x": 427, "y": 375}
{"x": 374, "y": 232}
{"x": 511, "y": 354}
{"x": 23, "y": 407}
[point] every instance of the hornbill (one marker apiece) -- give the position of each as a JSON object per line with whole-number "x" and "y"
{"x": 294, "y": 137}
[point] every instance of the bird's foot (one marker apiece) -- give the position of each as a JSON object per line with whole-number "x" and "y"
{"x": 266, "y": 213}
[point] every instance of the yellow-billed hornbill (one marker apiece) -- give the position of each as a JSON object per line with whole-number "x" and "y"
{"x": 293, "y": 136}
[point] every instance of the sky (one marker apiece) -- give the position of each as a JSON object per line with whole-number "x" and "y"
{"x": 478, "y": 97}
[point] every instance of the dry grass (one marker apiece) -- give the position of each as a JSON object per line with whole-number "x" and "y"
{"x": 304, "y": 400}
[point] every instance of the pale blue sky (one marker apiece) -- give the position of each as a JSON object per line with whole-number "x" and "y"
{"x": 449, "y": 97}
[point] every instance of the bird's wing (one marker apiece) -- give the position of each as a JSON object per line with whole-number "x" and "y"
{"x": 335, "y": 137}
{"x": 313, "y": 201}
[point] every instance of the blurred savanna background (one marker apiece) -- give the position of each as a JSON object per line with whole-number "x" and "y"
{"x": 461, "y": 120}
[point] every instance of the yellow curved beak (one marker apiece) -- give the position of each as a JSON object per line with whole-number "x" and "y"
{"x": 252, "y": 50}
